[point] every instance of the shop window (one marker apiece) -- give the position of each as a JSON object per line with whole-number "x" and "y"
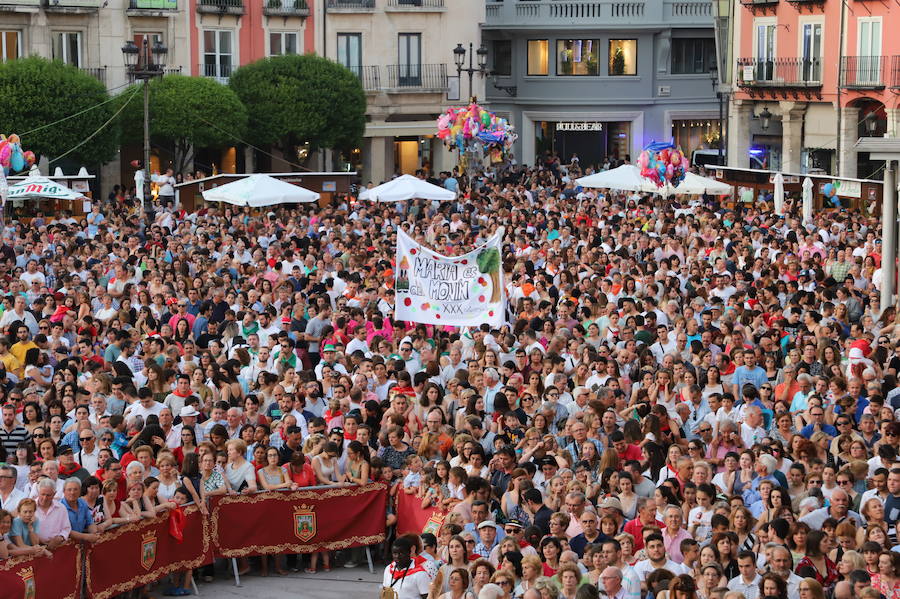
{"x": 622, "y": 57}
{"x": 538, "y": 57}
{"x": 577, "y": 57}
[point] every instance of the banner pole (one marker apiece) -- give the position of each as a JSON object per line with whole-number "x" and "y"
{"x": 234, "y": 568}
{"x": 369, "y": 559}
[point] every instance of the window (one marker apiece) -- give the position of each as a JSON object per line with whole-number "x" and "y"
{"x": 349, "y": 51}
{"x": 811, "y": 67}
{"x": 152, "y": 39}
{"x": 538, "y": 57}
{"x": 217, "y": 54}
{"x": 10, "y": 45}
{"x": 502, "y": 53}
{"x": 765, "y": 51}
{"x": 67, "y": 47}
{"x": 577, "y": 57}
{"x": 282, "y": 42}
{"x": 693, "y": 56}
{"x": 410, "y": 59}
{"x": 622, "y": 57}
{"x": 868, "y": 69}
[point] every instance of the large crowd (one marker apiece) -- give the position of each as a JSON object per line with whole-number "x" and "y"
{"x": 688, "y": 401}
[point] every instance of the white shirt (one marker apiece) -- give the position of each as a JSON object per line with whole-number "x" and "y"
{"x": 11, "y": 503}
{"x": 644, "y": 567}
{"x": 137, "y": 409}
{"x": 749, "y": 590}
{"x": 89, "y": 461}
{"x": 411, "y": 586}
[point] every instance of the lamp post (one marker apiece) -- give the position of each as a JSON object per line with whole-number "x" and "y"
{"x": 871, "y": 120}
{"x": 459, "y": 57}
{"x": 720, "y": 95}
{"x": 144, "y": 64}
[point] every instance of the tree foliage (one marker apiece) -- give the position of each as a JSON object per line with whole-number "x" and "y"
{"x": 292, "y": 100}
{"x": 185, "y": 113}
{"x": 35, "y": 92}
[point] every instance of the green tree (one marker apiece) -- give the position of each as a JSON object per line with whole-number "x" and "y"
{"x": 35, "y": 92}
{"x": 292, "y": 100}
{"x": 488, "y": 261}
{"x": 185, "y": 113}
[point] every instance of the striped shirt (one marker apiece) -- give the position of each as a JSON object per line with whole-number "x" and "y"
{"x": 10, "y": 439}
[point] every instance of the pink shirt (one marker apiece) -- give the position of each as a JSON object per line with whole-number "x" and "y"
{"x": 673, "y": 544}
{"x": 54, "y": 522}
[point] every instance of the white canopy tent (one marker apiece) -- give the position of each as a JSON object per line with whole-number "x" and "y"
{"x": 624, "y": 178}
{"x": 257, "y": 191}
{"x": 628, "y": 178}
{"x": 407, "y": 187}
{"x": 40, "y": 188}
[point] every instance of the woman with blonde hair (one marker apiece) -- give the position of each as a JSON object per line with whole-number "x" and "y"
{"x": 742, "y": 522}
{"x": 531, "y": 572}
{"x": 809, "y": 588}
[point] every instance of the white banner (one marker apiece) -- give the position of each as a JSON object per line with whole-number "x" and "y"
{"x": 460, "y": 291}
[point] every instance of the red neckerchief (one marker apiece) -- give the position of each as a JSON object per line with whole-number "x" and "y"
{"x": 414, "y": 566}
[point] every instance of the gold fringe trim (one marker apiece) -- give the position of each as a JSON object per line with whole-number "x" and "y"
{"x": 298, "y": 548}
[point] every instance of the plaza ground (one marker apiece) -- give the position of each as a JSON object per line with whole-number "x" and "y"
{"x": 340, "y": 583}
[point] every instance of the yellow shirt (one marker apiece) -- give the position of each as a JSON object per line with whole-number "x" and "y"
{"x": 19, "y": 350}
{"x": 11, "y": 363}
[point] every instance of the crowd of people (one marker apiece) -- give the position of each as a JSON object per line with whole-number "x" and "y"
{"x": 690, "y": 401}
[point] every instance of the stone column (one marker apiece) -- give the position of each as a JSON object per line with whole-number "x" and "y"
{"x": 740, "y": 113}
{"x": 381, "y": 158}
{"x": 849, "y": 136}
{"x": 893, "y": 122}
{"x": 792, "y": 114}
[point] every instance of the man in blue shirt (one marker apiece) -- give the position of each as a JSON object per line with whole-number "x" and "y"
{"x": 83, "y": 527}
{"x": 817, "y": 417}
{"x": 748, "y": 373}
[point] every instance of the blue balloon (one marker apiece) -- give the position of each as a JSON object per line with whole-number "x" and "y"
{"x": 836, "y": 201}
{"x": 17, "y": 161}
{"x": 829, "y": 190}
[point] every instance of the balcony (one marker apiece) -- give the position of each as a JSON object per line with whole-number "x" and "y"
{"x": 222, "y": 7}
{"x": 20, "y": 5}
{"x": 895, "y": 73}
{"x": 369, "y": 77}
{"x": 780, "y": 73}
{"x": 286, "y": 8}
{"x": 573, "y": 14}
{"x": 98, "y": 73}
{"x": 417, "y": 6}
{"x": 151, "y": 8}
{"x": 218, "y": 71}
{"x": 351, "y": 6}
{"x": 420, "y": 78}
{"x": 863, "y": 72}
{"x": 72, "y": 6}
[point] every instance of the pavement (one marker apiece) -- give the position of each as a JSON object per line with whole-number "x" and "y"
{"x": 340, "y": 583}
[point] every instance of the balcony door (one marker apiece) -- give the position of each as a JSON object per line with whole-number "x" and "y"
{"x": 868, "y": 70}
{"x": 67, "y": 47}
{"x": 765, "y": 51}
{"x": 409, "y": 64}
{"x": 217, "y": 54}
{"x": 349, "y": 52}
{"x": 811, "y": 65}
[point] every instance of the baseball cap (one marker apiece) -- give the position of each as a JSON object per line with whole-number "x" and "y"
{"x": 487, "y": 524}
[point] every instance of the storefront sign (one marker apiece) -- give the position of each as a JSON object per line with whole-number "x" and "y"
{"x": 848, "y": 189}
{"x": 575, "y": 126}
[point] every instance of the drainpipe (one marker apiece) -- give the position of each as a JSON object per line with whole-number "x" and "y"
{"x": 837, "y": 153}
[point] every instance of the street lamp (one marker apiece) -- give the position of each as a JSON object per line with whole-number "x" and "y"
{"x": 143, "y": 64}
{"x": 459, "y": 57}
{"x": 717, "y": 87}
{"x": 871, "y": 120}
{"x": 765, "y": 117}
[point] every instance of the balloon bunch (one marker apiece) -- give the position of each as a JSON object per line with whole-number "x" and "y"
{"x": 466, "y": 125}
{"x": 662, "y": 163}
{"x": 831, "y": 190}
{"x": 12, "y": 158}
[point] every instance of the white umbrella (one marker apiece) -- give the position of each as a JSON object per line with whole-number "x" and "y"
{"x": 259, "y": 190}
{"x": 625, "y": 178}
{"x": 779, "y": 194}
{"x": 407, "y": 187}
{"x": 38, "y": 188}
{"x": 697, "y": 185}
{"x": 807, "y": 199}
